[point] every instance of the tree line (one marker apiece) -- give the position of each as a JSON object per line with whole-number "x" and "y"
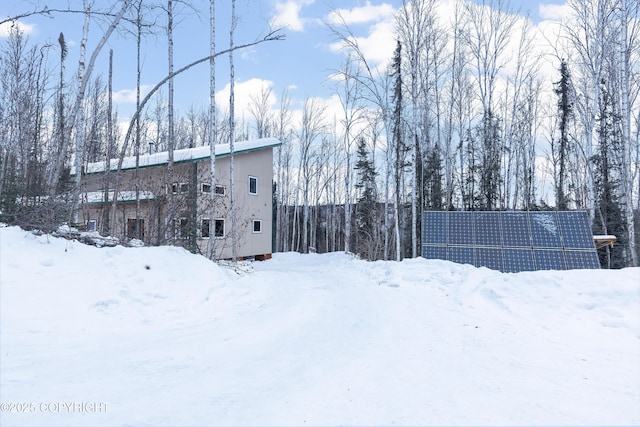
{"x": 461, "y": 118}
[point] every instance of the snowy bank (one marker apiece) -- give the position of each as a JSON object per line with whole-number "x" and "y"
{"x": 161, "y": 337}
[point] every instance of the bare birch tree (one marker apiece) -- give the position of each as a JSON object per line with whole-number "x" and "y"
{"x": 629, "y": 40}
{"x": 213, "y": 128}
{"x": 416, "y": 27}
{"x": 587, "y": 33}
{"x": 260, "y": 111}
{"x": 376, "y": 90}
{"x": 232, "y": 126}
{"x": 351, "y": 102}
{"x": 84, "y": 73}
{"x": 311, "y": 127}
{"x": 490, "y": 29}
{"x": 283, "y": 172}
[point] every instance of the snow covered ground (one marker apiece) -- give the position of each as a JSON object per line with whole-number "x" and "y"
{"x": 159, "y": 337}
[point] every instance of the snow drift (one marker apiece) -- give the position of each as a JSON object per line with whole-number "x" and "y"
{"x": 161, "y": 337}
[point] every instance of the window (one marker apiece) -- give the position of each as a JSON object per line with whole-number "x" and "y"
{"x": 205, "y": 228}
{"x": 184, "y": 187}
{"x": 219, "y": 231}
{"x": 91, "y": 225}
{"x": 206, "y": 187}
{"x": 257, "y": 226}
{"x": 135, "y": 228}
{"x": 220, "y": 190}
{"x": 182, "y": 229}
{"x": 253, "y": 185}
{"x": 174, "y": 188}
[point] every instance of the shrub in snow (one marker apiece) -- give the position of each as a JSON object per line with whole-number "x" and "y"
{"x": 87, "y": 237}
{"x": 66, "y": 232}
{"x": 135, "y": 243}
{"x": 94, "y": 238}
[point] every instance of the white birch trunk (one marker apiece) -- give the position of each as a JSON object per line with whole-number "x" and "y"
{"x": 106, "y": 220}
{"x": 212, "y": 128}
{"x": 79, "y": 117}
{"x": 234, "y": 243}
{"x": 170, "y": 214}
{"x": 137, "y": 148}
{"x": 347, "y": 202}
{"x": 627, "y": 180}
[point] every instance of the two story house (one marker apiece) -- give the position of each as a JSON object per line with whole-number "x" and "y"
{"x": 184, "y": 207}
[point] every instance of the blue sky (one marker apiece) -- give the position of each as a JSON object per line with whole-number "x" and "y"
{"x": 301, "y": 63}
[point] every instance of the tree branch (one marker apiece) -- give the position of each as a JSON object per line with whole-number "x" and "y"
{"x": 47, "y": 12}
{"x": 272, "y": 36}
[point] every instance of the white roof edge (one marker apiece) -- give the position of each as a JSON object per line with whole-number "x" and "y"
{"x": 183, "y": 155}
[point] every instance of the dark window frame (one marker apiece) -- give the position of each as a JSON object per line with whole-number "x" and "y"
{"x": 253, "y": 187}
{"x": 219, "y": 224}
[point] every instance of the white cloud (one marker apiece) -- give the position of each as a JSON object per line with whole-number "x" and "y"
{"x": 553, "y": 12}
{"x": 128, "y": 96}
{"x": 287, "y": 14}
{"x": 243, "y": 92}
{"x": 361, "y": 14}
{"x": 248, "y": 54}
{"x": 5, "y": 29}
{"x": 378, "y": 45}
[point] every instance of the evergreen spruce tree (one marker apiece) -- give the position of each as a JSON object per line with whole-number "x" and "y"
{"x": 433, "y": 192}
{"x": 366, "y": 208}
{"x": 561, "y": 151}
{"x": 609, "y": 218}
{"x": 10, "y": 192}
{"x": 471, "y": 195}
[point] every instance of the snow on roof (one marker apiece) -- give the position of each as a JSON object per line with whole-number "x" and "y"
{"x": 183, "y": 155}
{"x": 97, "y": 197}
{"x": 604, "y": 237}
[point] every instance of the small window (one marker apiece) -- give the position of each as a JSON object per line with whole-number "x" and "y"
{"x": 182, "y": 228}
{"x": 205, "y": 228}
{"x": 174, "y": 188}
{"x": 219, "y": 231}
{"x": 184, "y": 187}
{"x": 206, "y": 188}
{"x": 220, "y": 190}
{"x": 135, "y": 229}
{"x": 253, "y": 185}
{"x": 91, "y": 225}
{"x": 257, "y": 226}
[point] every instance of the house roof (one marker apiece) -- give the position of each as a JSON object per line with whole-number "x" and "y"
{"x": 97, "y": 197}
{"x": 183, "y": 155}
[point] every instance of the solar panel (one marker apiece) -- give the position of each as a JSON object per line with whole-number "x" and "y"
{"x": 515, "y": 229}
{"x": 461, "y": 254}
{"x": 545, "y": 232}
{"x": 488, "y": 229}
{"x": 434, "y": 229}
{"x": 549, "y": 259}
{"x": 516, "y": 260}
{"x": 582, "y": 259}
{"x": 434, "y": 252}
{"x": 490, "y": 258}
{"x": 460, "y": 228}
{"x": 510, "y": 241}
{"x": 575, "y": 229}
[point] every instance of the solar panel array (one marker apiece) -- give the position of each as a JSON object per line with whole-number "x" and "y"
{"x": 510, "y": 241}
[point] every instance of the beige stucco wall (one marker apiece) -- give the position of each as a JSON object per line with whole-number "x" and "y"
{"x": 249, "y": 207}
